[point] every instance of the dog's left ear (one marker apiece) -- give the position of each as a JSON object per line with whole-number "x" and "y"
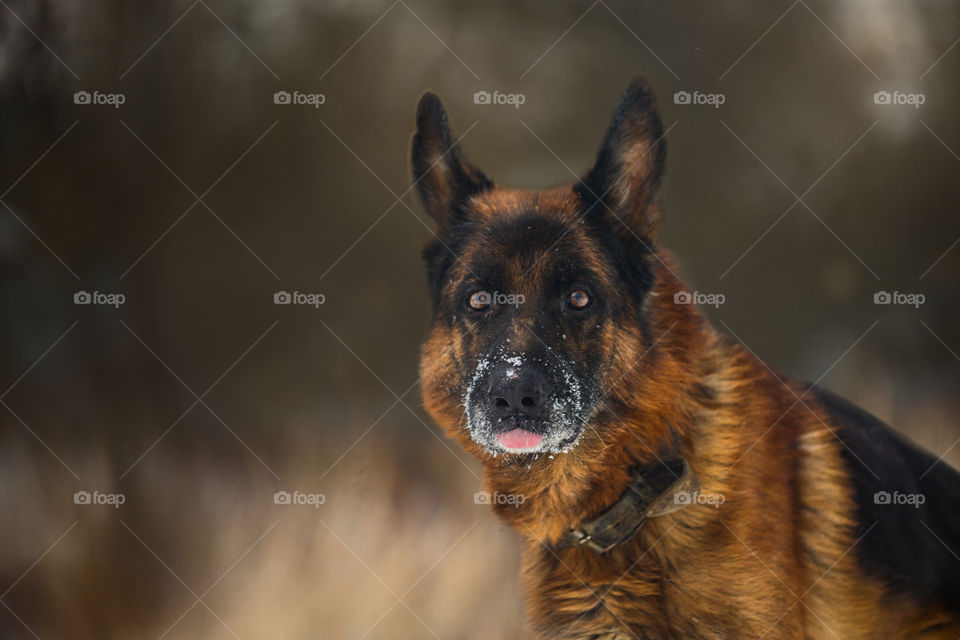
{"x": 442, "y": 175}
{"x": 629, "y": 167}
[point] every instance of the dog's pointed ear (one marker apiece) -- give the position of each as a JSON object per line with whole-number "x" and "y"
{"x": 629, "y": 165}
{"x": 442, "y": 175}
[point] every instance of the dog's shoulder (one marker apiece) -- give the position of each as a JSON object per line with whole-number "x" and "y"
{"x": 908, "y": 506}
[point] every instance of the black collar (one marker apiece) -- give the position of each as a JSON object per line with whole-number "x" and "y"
{"x": 656, "y": 489}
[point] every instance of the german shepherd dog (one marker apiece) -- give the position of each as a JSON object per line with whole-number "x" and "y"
{"x": 673, "y": 485}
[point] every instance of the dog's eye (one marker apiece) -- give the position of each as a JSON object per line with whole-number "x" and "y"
{"x": 579, "y": 299}
{"x": 479, "y": 300}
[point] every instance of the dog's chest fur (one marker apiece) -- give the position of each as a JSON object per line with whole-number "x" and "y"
{"x": 652, "y": 589}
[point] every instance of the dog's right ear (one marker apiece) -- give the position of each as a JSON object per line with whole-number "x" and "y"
{"x": 442, "y": 175}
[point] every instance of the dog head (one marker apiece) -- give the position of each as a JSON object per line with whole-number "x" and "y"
{"x": 540, "y": 298}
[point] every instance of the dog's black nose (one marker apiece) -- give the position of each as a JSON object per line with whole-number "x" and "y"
{"x": 516, "y": 391}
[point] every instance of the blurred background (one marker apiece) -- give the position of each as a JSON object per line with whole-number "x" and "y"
{"x": 150, "y": 151}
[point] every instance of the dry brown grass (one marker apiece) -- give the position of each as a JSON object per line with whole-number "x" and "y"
{"x": 273, "y": 571}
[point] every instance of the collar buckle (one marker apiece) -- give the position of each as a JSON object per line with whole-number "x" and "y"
{"x": 579, "y": 537}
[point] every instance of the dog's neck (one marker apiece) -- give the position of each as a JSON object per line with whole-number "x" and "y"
{"x": 657, "y": 489}
{"x": 554, "y": 493}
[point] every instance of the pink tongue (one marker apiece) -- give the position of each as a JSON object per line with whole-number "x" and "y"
{"x": 519, "y": 439}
